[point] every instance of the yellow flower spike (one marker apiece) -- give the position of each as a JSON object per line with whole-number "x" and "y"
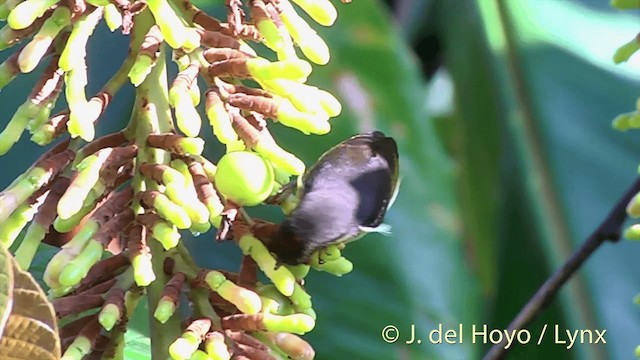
{"x": 321, "y": 11}
{"x": 26, "y": 12}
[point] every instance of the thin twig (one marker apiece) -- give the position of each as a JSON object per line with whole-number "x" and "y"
{"x": 609, "y": 229}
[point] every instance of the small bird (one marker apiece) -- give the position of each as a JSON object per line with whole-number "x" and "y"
{"x": 345, "y": 195}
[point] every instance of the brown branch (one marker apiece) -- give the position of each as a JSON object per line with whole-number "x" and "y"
{"x": 610, "y": 229}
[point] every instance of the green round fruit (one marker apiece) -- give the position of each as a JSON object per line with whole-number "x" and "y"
{"x": 244, "y": 177}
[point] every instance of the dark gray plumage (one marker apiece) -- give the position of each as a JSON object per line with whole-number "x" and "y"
{"x": 343, "y": 196}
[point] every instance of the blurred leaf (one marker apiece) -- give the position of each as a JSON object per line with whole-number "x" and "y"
{"x": 537, "y": 73}
{"x": 29, "y": 327}
{"x": 137, "y": 341}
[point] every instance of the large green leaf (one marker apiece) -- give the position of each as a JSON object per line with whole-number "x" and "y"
{"x": 542, "y": 72}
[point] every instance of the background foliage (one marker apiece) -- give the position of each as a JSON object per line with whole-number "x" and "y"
{"x": 508, "y": 163}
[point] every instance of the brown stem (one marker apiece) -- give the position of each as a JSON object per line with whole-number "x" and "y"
{"x": 609, "y": 229}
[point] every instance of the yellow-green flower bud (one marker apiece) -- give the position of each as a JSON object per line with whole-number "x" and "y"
{"x": 237, "y": 145}
{"x": 55, "y": 267}
{"x": 86, "y": 177}
{"x": 273, "y": 301}
{"x": 187, "y": 116}
{"x": 165, "y": 309}
{"x": 633, "y": 208}
{"x": 27, "y": 250}
{"x": 300, "y": 298}
{"x": 627, "y": 121}
{"x": 272, "y": 37}
{"x": 632, "y": 232}
{"x": 200, "y": 355}
{"x": 624, "y": 52}
{"x": 244, "y": 178}
{"x": 215, "y": 346}
{"x": 112, "y": 17}
{"x": 78, "y": 268}
{"x": 300, "y": 271}
{"x": 109, "y": 316}
{"x": 80, "y": 347}
{"x": 66, "y": 225}
{"x": 142, "y": 270}
{"x": 329, "y": 103}
{"x": 626, "y": 4}
{"x": 75, "y": 51}
{"x": 184, "y": 347}
{"x": 140, "y": 69}
{"x": 11, "y": 228}
{"x": 281, "y": 277}
{"x": 263, "y": 69}
{"x": 295, "y": 323}
{"x": 245, "y": 300}
{"x": 33, "y": 52}
{"x": 219, "y": 118}
{"x": 338, "y": 267}
{"x": 171, "y": 27}
{"x": 321, "y": 11}
{"x": 312, "y": 45}
{"x": 307, "y": 123}
{"x": 282, "y": 160}
{"x": 12, "y": 132}
{"x": 26, "y": 12}
{"x": 200, "y": 227}
{"x": 166, "y": 234}
{"x": 171, "y": 211}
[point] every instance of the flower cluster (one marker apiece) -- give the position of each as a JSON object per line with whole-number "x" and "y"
{"x": 116, "y": 204}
